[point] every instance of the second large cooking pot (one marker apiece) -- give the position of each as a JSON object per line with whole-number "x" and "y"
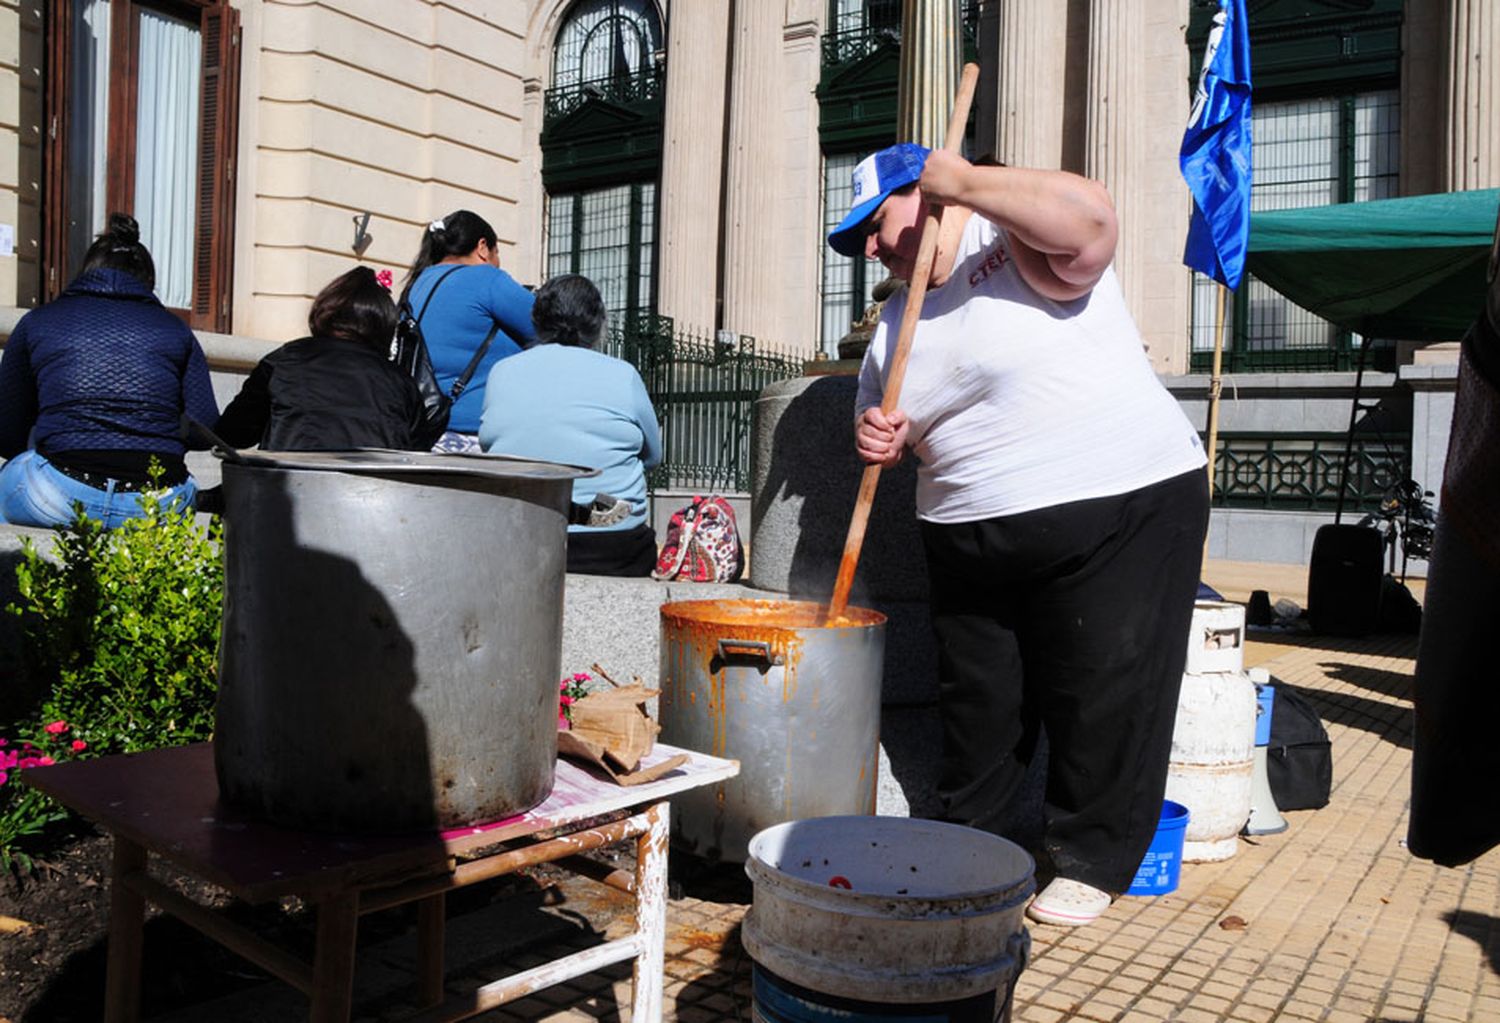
{"x": 795, "y": 699}
{"x": 392, "y": 637}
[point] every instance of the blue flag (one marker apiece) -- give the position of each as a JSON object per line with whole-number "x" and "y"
{"x": 1215, "y": 156}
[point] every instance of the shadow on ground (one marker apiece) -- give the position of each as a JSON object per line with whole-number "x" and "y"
{"x": 1480, "y": 928}
{"x": 723, "y": 990}
{"x": 1391, "y": 722}
{"x": 696, "y": 878}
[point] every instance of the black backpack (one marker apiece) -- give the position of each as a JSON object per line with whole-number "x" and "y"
{"x": 409, "y": 353}
{"x": 1299, "y": 759}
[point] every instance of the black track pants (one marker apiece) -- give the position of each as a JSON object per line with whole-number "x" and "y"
{"x": 1074, "y": 618}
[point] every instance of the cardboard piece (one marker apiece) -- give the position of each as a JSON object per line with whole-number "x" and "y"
{"x": 611, "y": 729}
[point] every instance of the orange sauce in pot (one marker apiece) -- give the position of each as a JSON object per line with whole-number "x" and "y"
{"x": 770, "y": 614}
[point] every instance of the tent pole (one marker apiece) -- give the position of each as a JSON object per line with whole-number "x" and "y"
{"x": 1215, "y": 384}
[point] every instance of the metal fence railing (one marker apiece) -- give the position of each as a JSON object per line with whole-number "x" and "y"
{"x": 1303, "y": 472}
{"x": 704, "y": 390}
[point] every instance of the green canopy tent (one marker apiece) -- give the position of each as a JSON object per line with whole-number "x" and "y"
{"x": 1408, "y": 269}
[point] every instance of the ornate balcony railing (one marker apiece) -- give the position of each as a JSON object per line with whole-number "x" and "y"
{"x": 1302, "y": 472}
{"x": 637, "y": 87}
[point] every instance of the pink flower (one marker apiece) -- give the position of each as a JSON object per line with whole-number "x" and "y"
{"x": 565, "y": 700}
{"x": 563, "y": 722}
{"x": 79, "y": 745}
{"x": 57, "y": 728}
{"x": 45, "y": 761}
{"x": 27, "y": 762}
{"x": 4, "y": 742}
{"x": 385, "y": 279}
{"x": 4, "y": 777}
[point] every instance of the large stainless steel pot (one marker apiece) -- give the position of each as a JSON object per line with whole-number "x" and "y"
{"x": 795, "y": 700}
{"x": 392, "y": 637}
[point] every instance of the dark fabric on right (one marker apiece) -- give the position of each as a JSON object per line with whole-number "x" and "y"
{"x": 325, "y": 394}
{"x": 1455, "y": 802}
{"x": 1075, "y": 619}
{"x": 617, "y": 552}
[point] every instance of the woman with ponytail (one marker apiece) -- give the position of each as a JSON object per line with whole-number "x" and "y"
{"x": 466, "y": 303}
{"x": 92, "y": 387}
{"x": 335, "y": 389}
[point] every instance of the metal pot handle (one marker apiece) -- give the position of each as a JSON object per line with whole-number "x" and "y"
{"x": 749, "y": 649}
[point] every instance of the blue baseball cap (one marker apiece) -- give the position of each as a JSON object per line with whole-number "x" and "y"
{"x": 876, "y": 176}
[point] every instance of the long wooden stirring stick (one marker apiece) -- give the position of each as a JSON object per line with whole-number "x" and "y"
{"x": 916, "y": 291}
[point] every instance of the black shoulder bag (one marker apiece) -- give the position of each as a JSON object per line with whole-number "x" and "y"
{"x": 411, "y": 357}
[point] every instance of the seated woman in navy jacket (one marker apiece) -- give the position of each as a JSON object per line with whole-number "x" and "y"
{"x": 92, "y": 387}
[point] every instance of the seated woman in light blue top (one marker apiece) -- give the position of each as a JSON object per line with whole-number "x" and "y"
{"x": 457, "y": 288}
{"x": 564, "y": 402}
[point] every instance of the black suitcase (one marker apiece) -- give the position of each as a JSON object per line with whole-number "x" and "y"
{"x": 1343, "y": 580}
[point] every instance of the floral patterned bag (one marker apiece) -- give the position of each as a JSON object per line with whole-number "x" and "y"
{"x": 702, "y": 544}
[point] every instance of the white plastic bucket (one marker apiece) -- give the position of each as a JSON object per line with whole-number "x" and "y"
{"x": 862, "y": 918}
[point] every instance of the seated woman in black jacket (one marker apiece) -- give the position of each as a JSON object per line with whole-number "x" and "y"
{"x": 337, "y": 389}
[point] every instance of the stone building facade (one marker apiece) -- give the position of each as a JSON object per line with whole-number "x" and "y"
{"x": 724, "y": 115}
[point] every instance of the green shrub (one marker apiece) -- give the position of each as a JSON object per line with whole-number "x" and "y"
{"x": 124, "y": 629}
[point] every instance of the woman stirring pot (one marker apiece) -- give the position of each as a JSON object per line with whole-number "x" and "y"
{"x": 1062, "y": 501}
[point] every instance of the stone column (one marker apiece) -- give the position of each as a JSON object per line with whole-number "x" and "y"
{"x": 1423, "y": 93}
{"x": 1473, "y": 148}
{"x": 1031, "y": 57}
{"x": 1115, "y": 98}
{"x": 692, "y": 163}
{"x": 930, "y": 59}
{"x": 752, "y": 185}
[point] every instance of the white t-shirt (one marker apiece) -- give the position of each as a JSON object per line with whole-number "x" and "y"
{"x": 1018, "y": 402}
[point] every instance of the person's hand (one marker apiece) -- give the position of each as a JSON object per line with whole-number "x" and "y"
{"x": 881, "y": 438}
{"x": 945, "y": 177}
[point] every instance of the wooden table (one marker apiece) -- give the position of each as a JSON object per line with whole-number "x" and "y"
{"x": 166, "y": 803}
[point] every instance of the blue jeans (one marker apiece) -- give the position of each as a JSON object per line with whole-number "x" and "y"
{"x": 34, "y": 493}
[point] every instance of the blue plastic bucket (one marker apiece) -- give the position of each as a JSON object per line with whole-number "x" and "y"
{"x": 1162, "y": 866}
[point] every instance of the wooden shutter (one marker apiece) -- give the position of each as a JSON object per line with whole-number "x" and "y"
{"x": 218, "y": 131}
{"x": 55, "y": 151}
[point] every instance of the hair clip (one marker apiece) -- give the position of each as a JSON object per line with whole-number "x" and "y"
{"x": 436, "y": 225}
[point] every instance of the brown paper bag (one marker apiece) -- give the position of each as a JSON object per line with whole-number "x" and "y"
{"x": 616, "y": 721}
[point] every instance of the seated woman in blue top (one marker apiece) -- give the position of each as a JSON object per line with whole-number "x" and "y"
{"x": 92, "y": 387}
{"x": 564, "y": 402}
{"x": 462, "y": 297}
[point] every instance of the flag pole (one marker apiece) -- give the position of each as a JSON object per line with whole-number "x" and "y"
{"x": 1215, "y": 385}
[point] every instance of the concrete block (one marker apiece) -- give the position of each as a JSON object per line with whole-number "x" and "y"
{"x": 804, "y": 478}
{"x": 911, "y": 744}
{"x": 616, "y": 622}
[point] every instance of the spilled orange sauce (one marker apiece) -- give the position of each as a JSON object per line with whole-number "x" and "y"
{"x": 692, "y": 631}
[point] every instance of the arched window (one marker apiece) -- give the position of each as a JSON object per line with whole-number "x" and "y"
{"x": 605, "y": 39}
{"x": 601, "y": 147}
